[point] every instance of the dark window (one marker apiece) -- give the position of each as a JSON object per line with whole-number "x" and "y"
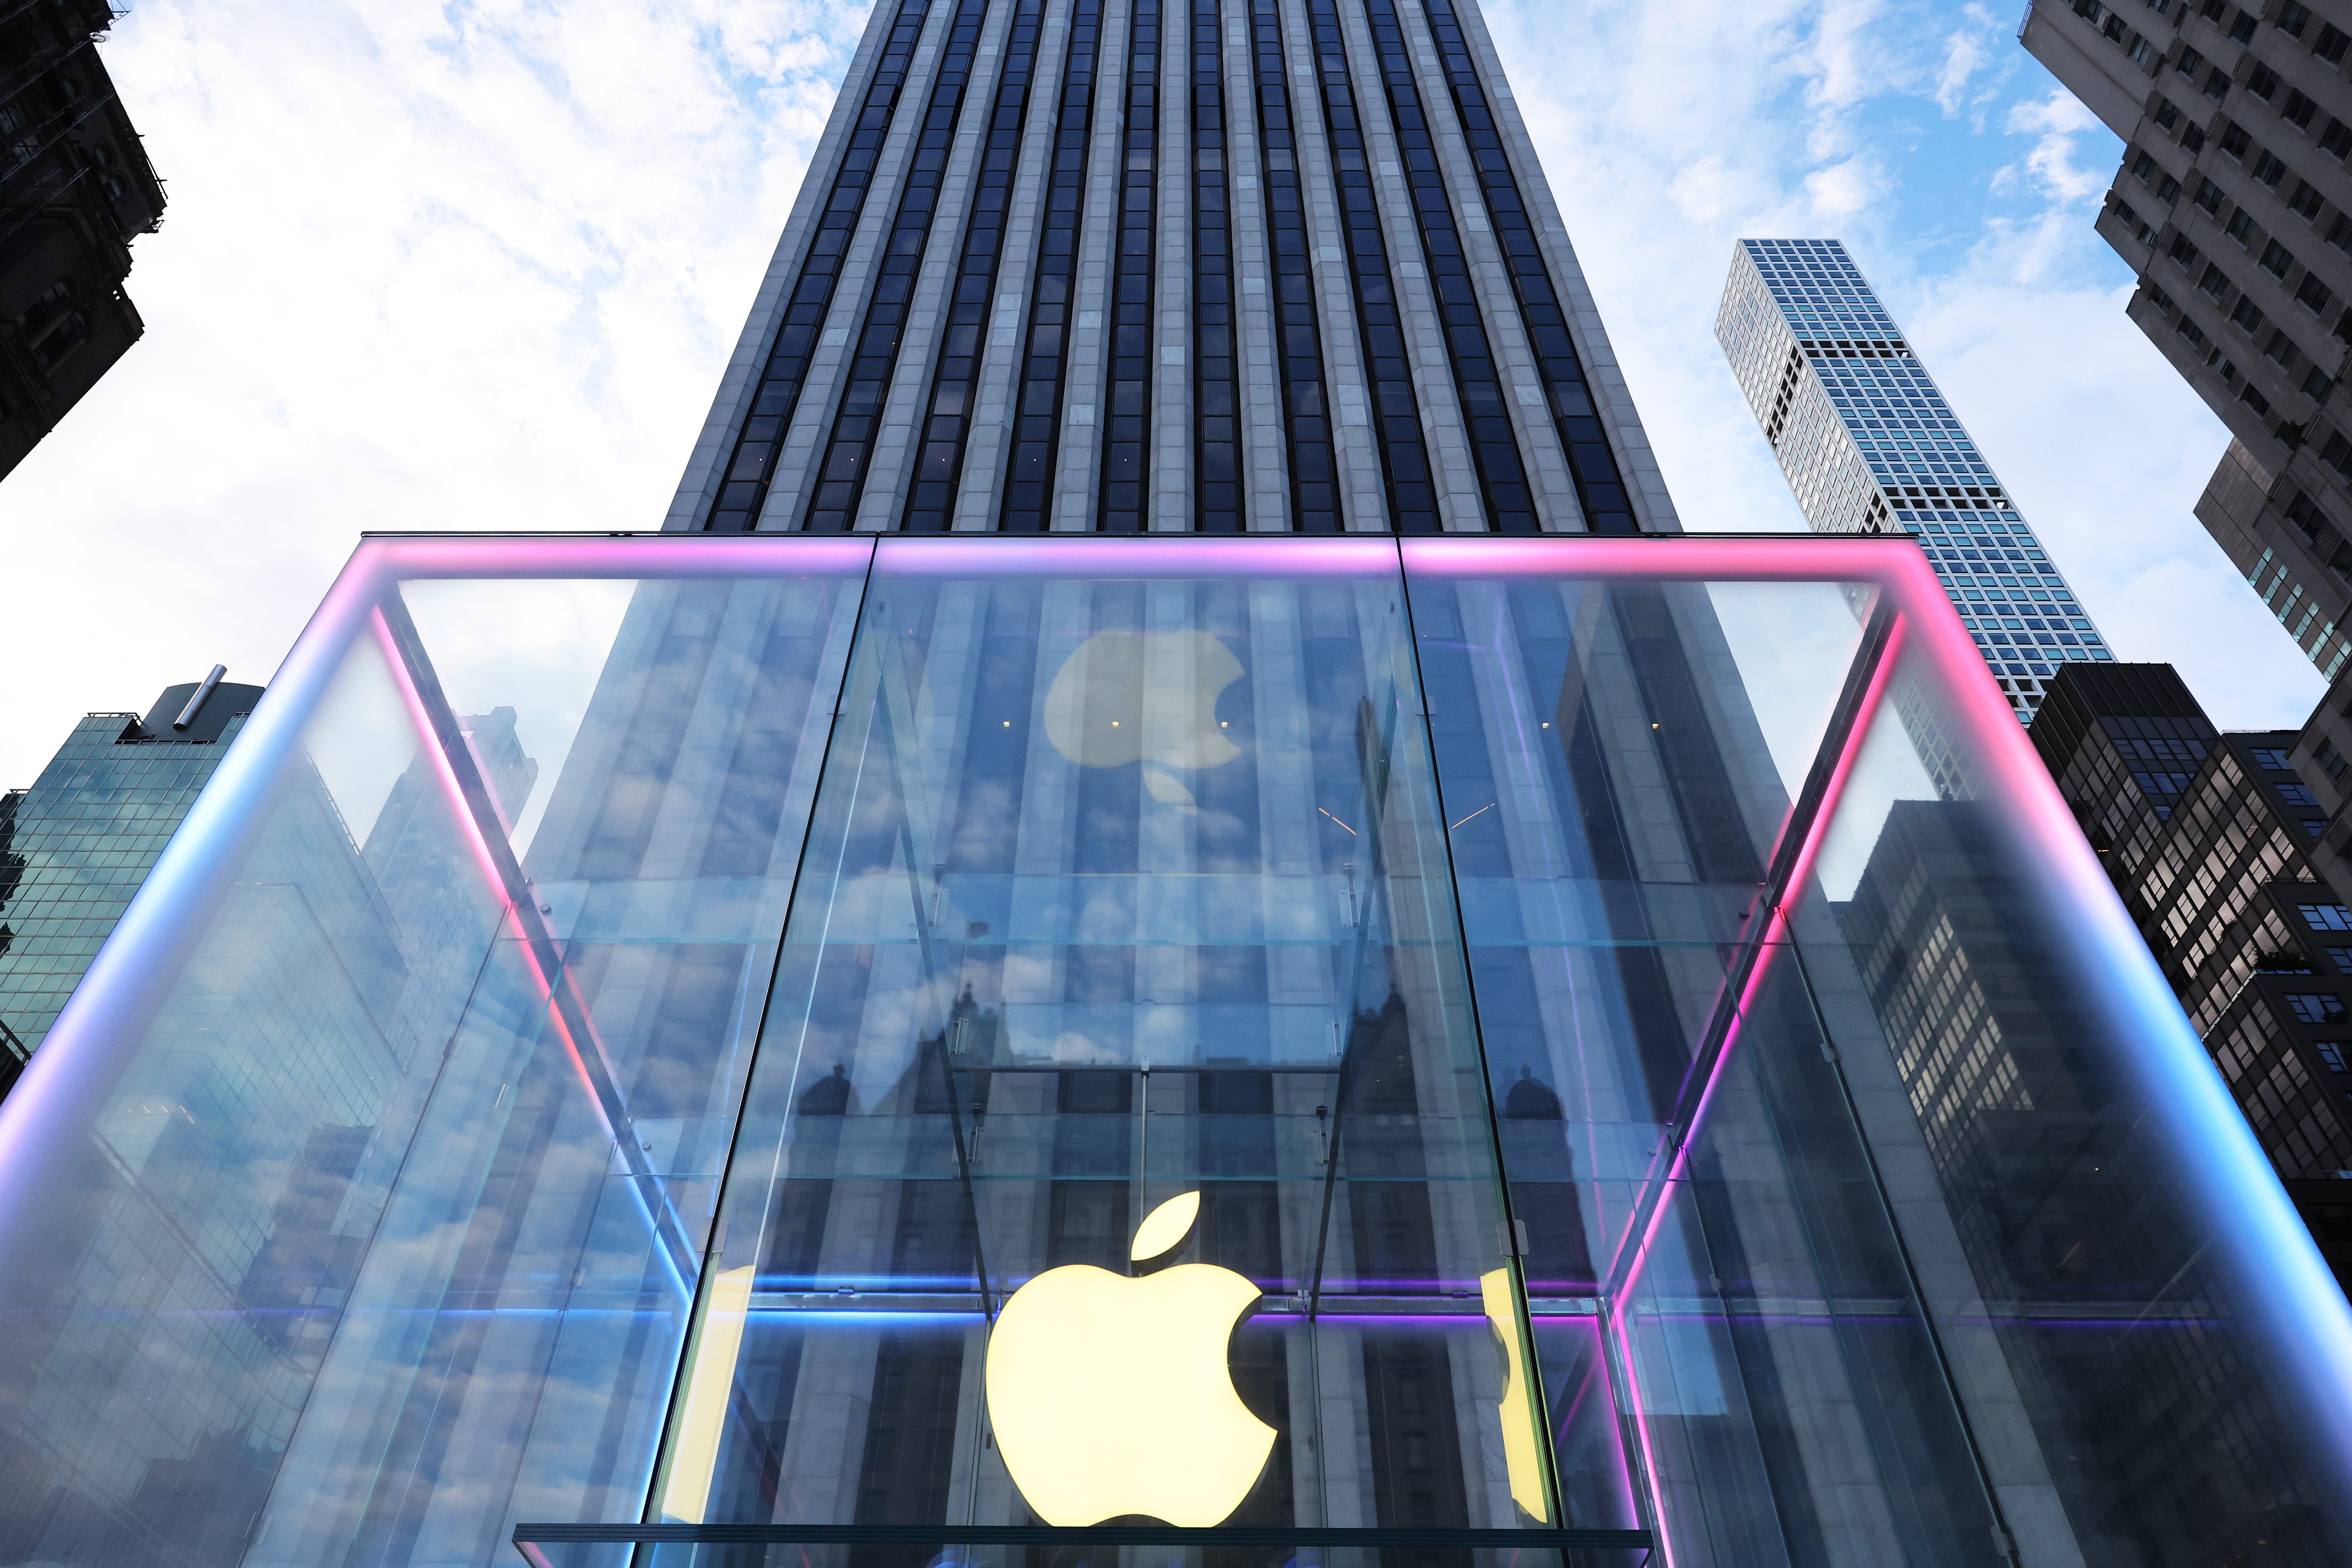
{"x": 2299, "y": 109}
{"x": 2243, "y": 29}
{"x": 2144, "y": 165}
{"x": 2317, "y": 385}
{"x": 2304, "y": 516}
{"x": 2253, "y": 399}
{"x": 2311, "y": 293}
{"x": 2337, "y": 140}
{"x": 2263, "y": 83}
{"x": 2277, "y": 259}
{"x": 2217, "y": 83}
{"x": 2280, "y": 350}
{"x": 2269, "y": 169}
{"x": 2305, "y": 203}
{"x": 2337, "y": 453}
{"x": 2192, "y": 137}
{"x": 2235, "y": 141}
{"x": 2189, "y": 63}
{"x": 2190, "y": 330}
{"x": 2209, "y": 196}
{"x": 2330, "y": 45}
{"x": 2339, "y": 233}
{"x": 2316, "y": 1007}
{"x": 2166, "y": 114}
{"x": 2215, "y": 282}
{"x": 2168, "y": 189}
{"x": 2325, "y": 916}
{"x": 2292, "y": 18}
{"x": 2330, "y": 761}
{"x": 2244, "y": 316}
{"x": 2241, "y": 227}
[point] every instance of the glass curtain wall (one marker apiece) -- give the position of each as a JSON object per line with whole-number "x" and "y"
{"x": 749, "y": 1050}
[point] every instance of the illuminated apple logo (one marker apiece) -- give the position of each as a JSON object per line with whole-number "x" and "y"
{"x": 1110, "y": 1396}
{"x": 1144, "y": 696}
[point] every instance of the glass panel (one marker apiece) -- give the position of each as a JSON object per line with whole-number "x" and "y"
{"x": 1123, "y": 999}
{"x": 386, "y": 1234}
{"x": 1715, "y": 1270}
{"x": 2137, "y": 1292}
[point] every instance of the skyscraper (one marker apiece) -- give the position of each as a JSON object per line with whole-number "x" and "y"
{"x": 1869, "y": 445}
{"x": 1172, "y": 976}
{"x": 2233, "y": 207}
{"x": 75, "y": 845}
{"x": 1176, "y": 266}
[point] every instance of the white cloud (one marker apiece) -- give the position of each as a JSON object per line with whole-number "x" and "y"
{"x": 479, "y": 265}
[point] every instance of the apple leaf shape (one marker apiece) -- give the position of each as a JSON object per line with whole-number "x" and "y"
{"x": 1111, "y": 1396}
{"x": 1165, "y": 1227}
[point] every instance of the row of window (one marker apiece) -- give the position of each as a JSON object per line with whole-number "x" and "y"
{"x": 874, "y": 356}
{"x": 1396, "y": 409}
{"x": 1127, "y": 460}
{"x": 1037, "y": 410}
{"x": 1599, "y": 488}
{"x": 1305, "y": 405}
{"x": 1216, "y": 415}
{"x": 751, "y": 466}
{"x": 955, "y": 380}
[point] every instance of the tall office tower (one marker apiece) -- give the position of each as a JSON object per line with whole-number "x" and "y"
{"x": 76, "y": 844}
{"x": 2233, "y": 206}
{"x": 2214, "y": 844}
{"x": 75, "y": 189}
{"x": 1177, "y": 267}
{"x": 1477, "y": 964}
{"x": 1869, "y": 445}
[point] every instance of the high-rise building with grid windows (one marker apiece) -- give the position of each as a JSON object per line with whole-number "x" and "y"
{"x": 1869, "y": 445}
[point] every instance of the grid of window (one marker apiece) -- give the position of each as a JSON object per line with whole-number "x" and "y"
{"x": 1599, "y": 488}
{"x": 1307, "y": 415}
{"x": 930, "y": 502}
{"x": 751, "y": 467}
{"x": 1217, "y": 446}
{"x": 1029, "y": 478}
{"x": 849, "y": 455}
{"x": 1125, "y": 433}
{"x": 1494, "y": 445}
{"x": 1396, "y": 410}
{"x": 73, "y": 848}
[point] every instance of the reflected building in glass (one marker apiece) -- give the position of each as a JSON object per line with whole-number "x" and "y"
{"x": 1052, "y": 1026}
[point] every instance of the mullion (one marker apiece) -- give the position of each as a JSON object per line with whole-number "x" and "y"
{"x": 750, "y": 466}
{"x": 841, "y": 477}
{"x": 1217, "y": 449}
{"x": 1494, "y": 445}
{"x": 1029, "y": 472}
{"x": 1126, "y": 433}
{"x": 1599, "y": 484}
{"x": 1396, "y": 409}
{"x": 1307, "y": 419}
{"x": 947, "y": 423}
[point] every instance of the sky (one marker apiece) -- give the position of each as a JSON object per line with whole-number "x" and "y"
{"x": 478, "y": 266}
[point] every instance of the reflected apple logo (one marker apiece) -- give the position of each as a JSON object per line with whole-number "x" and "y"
{"x": 1111, "y": 1396}
{"x": 1144, "y": 696}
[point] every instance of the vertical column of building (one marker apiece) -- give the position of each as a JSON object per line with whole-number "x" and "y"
{"x": 1265, "y": 482}
{"x": 856, "y": 421}
{"x": 1126, "y": 430}
{"x": 1290, "y": 287}
{"x": 1216, "y": 413}
{"x": 759, "y": 445}
{"x": 1379, "y": 326}
{"x": 947, "y": 410}
{"x": 1507, "y": 501}
{"x": 1558, "y": 385}
{"x": 1170, "y": 499}
{"x": 1037, "y": 408}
